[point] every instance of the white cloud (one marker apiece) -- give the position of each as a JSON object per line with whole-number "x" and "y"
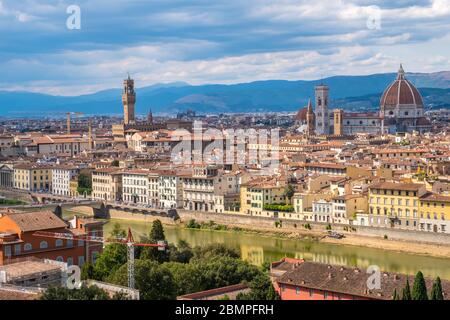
{"x": 219, "y": 41}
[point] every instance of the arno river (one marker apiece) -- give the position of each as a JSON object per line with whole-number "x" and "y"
{"x": 257, "y": 248}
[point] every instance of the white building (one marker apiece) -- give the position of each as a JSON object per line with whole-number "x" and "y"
{"x": 201, "y": 188}
{"x": 339, "y": 210}
{"x": 61, "y": 176}
{"x": 170, "y": 190}
{"x": 135, "y": 187}
{"x": 153, "y": 189}
{"x": 322, "y": 211}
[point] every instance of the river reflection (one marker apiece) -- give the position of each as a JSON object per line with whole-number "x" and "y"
{"x": 257, "y": 248}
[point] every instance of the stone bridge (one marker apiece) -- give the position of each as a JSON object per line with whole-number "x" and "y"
{"x": 105, "y": 208}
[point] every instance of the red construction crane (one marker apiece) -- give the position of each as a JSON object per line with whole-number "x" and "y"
{"x": 129, "y": 242}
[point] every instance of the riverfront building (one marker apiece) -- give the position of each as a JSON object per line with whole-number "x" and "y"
{"x": 434, "y": 210}
{"x": 62, "y": 176}
{"x": 33, "y": 177}
{"x": 107, "y": 184}
{"x": 18, "y": 238}
{"x": 393, "y": 205}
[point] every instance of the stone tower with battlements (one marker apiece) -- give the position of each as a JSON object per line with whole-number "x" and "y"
{"x": 128, "y": 100}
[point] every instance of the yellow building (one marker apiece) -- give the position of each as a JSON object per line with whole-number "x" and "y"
{"x": 107, "y": 184}
{"x": 73, "y": 187}
{"x": 393, "y": 205}
{"x": 257, "y": 193}
{"x": 303, "y": 204}
{"x": 33, "y": 177}
{"x": 434, "y": 212}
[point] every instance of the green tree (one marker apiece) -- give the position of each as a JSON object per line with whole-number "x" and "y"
{"x": 261, "y": 288}
{"x": 395, "y": 295}
{"x": 289, "y": 192}
{"x": 154, "y": 253}
{"x": 265, "y": 267}
{"x": 406, "y": 292}
{"x": 84, "y": 293}
{"x": 87, "y": 271}
{"x": 117, "y": 232}
{"x": 186, "y": 277}
{"x": 154, "y": 281}
{"x": 436, "y": 291}
{"x": 214, "y": 250}
{"x": 181, "y": 253}
{"x": 115, "y": 163}
{"x": 112, "y": 258}
{"x": 157, "y": 231}
{"x": 214, "y": 272}
{"x": 192, "y": 224}
{"x": 221, "y": 271}
{"x": 84, "y": 184}
{"x": 419, "y": 291}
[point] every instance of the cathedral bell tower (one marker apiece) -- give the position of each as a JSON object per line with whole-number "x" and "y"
{"x": 128, "y": 100}
{"x": 322, "y": 115}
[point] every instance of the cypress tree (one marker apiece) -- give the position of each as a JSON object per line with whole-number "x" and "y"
{"x": 157, "y": 231}
{"x": 436, "y": 291}
{"x": 406, "y": 292}
{"x": 395, "y": 295}
{"x": 419, "y": 291}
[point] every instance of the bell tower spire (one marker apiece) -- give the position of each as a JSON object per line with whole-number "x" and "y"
{"x": 128, "y": 100}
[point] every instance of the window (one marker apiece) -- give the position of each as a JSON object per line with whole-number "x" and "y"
{"x": 80, "y": 261}
{"x": 94, "y": 256}
{"x": 80, "y": 243}
{"x": 7, "y": 251}
{"x": 325, "y": 295}
{"x": 27, "y": 247}
{"x": 43, "y": 245}
{"x": 17, "y": 249}
{"x": 297, "y": 290}
{"x": 69, "y": 242}
{"x": 311, "y": 292}
{"x": 70, "y": 261}
{"x": 58, "y": 243}
{"x": 60, "y": 259}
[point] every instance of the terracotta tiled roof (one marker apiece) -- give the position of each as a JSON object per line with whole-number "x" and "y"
{"x": 349, "y": 280}
{"x": 39, "y": 220}
{"x": 397, "y": 186}
{"x": 435, "y": 197}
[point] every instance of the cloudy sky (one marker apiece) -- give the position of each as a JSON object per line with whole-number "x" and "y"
{"x": 215, "y": 41}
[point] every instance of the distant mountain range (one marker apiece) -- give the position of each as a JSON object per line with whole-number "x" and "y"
{"x": 349, "y": 92}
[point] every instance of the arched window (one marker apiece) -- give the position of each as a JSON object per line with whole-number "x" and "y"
{"x": 60, "y": 259}
{"x": 27, "y": 247}
{"x": 43, "y": 245}
{"x": 58, "y": 243}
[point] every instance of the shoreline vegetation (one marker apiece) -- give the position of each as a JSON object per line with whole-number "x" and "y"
{"x": 11, "y": 202}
